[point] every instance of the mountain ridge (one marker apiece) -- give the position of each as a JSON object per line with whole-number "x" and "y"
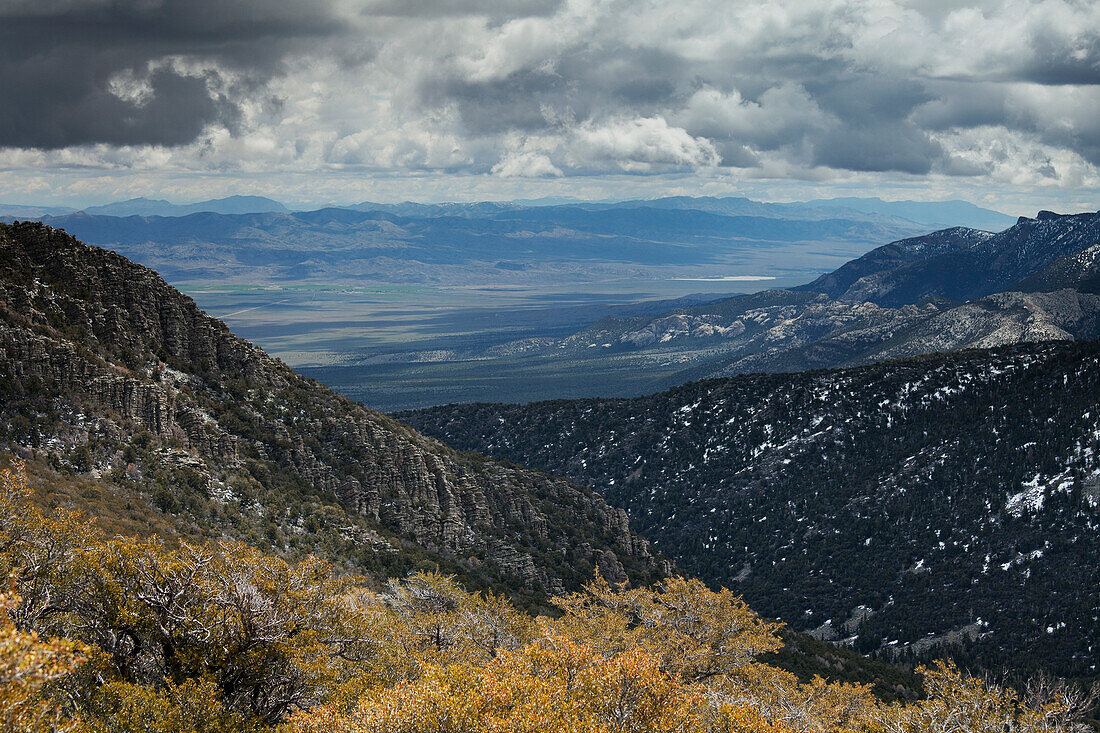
{"x": 95, "y": 348}
{"x": 142, "y": 206}
{"x": 992, "y": 265}
{"x": 895, "y": 254}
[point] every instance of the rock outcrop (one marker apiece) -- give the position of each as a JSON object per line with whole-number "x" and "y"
{"x": 98, "y": 335}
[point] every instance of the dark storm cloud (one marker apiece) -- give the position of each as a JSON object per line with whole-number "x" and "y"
{"x": 584, "y": 83}
{"x": 629, "y": 76}
{"x": 888, "y": 147}
{"x": 560, "y": 87}
{"x": 874, "y": 132}
{"x": 446, "y": 8}
{"x": 736, "y": 155}
{"x": 1052, "y": 62}
{"x": 57, "y": 60}
{"x": 499, "y": 105}
{"x": 870, "y": 96}
{"x": 963, "y": 105}
{"x": 177, "y": 111}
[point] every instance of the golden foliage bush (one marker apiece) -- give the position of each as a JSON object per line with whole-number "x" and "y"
{"x": 28, "y": 666}
{"x": 220, "y": 638}
{"x": 196, "y": 706}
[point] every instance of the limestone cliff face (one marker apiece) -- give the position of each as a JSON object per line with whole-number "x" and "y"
{"x": 110, "y": 338}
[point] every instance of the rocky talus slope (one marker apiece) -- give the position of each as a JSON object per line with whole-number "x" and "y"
{"x": 106, "y": 371}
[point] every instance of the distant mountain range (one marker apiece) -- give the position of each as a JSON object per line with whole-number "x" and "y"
{"x": 155, "y": 207}
{"x": 254, "y": 239}
{"x": 938, "y": 214}
{"x": 520, "y": 246}
{"x": 30, "y": 211}
{"x": 149, "y": 207}
{"x": 932, "y": 214}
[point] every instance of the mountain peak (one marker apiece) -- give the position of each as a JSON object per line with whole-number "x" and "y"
{"x": 1046, "y": 215}
{"x": 158, "y": 207}
{"x": 992, "y": 263}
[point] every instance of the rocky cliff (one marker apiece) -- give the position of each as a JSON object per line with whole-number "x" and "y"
{"x": 103, "y": 360}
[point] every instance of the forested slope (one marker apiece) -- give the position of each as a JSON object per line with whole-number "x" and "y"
{"x": 943, "y": 502}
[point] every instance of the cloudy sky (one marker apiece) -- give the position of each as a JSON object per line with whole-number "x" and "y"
{"x": 314, "y": 101}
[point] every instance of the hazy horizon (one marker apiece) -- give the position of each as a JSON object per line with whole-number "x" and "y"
{"x": 293, "y": 205}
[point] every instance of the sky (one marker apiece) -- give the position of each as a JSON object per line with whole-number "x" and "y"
{"x": 341, "y": 101}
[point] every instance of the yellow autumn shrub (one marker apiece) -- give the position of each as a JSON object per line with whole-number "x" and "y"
{"x": 196, "y": 706}
{"x": 554, "y": 684}
{"x": 27, "y": 666}
{"x": 220, "y": 638}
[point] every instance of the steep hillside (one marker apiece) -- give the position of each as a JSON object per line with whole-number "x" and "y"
{"x": 990, "y": 266}
{"x": 106, "y": 371}
{"x": 950, "y": 501}
{"x": 874, "y": 333}
{"x": 1079, "y": 271}
{"x": 893, "y": 255}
